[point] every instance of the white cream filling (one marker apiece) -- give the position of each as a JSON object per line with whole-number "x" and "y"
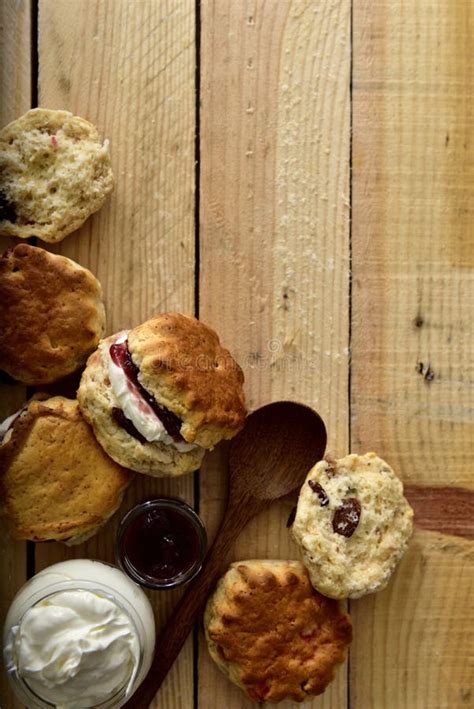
{"x": 5, "y": 425}
{"x": 137, "y": 410}
{"x": 75, "y": 649}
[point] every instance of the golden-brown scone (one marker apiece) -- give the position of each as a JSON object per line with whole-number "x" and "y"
{"x": 191, "y": 380}
{"x": 56, "y": 482}
{"x": 184, "y": 366}
{"x": 272, "y": 634}
{"x": 52, "y": 315}
{"x": 54, "y": 173}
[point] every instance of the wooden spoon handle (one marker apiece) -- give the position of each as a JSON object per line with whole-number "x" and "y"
{"x": 179, "y": 625}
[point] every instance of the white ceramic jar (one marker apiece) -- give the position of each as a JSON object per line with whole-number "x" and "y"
{"x": 78, "y": 634}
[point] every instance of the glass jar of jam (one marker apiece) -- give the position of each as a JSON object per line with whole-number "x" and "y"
{"x": 161, "y": 543}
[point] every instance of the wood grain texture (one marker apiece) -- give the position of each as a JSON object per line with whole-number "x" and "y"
{"x": 130, "y": 69}
{"x": 274, "y": 270}
{"x": 413, "y": 644}
{"x": 15, "y": 99}
{"x": 412, "y": 367}
{"x": 15, "y": 53}
{"x": 413, "y": 181}
{"x": 274, "y": 233}
{"x": 15, "y": 95}
{"x": 449, "y": 510}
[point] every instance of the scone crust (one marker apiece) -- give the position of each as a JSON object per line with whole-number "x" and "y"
{"x": 54, "y": 173}
{"x": 96, "y": 401}
{"x": 56, "y": 482}
{"x": 52, "y": 315}
{"x": 184, "y": 366}
{"x": 272, "y": 634}
{"x": 350, "y": 567}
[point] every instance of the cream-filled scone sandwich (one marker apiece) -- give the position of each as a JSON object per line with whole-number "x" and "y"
{"x": 159, "y": 395}
{"x": 52, "y": 315}
{"x": 56, "y": 482}
{"x": 352, "y": 524}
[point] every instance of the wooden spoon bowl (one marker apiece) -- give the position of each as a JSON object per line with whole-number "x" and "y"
{"x": 268, "y": 460}
{"x": 272, "y": 454}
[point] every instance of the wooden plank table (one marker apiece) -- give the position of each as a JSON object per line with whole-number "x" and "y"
{"x": 300, "y": 174}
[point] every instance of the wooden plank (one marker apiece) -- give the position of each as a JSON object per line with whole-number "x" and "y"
{"x": 129, "y": 68}
{"x": 412, "y": 370}
{"x": 15, "y": 67}
{"x": 274, "y": 233}
{"x": 413, "y": 641}
{"x": 15, "y": 92}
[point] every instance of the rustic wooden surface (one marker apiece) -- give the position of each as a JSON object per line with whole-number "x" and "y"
{"x": 412, "y": 304}
{"x": 274, "y": 237}
{"x": 369, "y": 322}
{"x": 15, "y": 99}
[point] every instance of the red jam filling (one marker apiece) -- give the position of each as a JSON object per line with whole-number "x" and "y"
{"x": 161, "y": 544}
{"x": 125, "y": 423}
{"x": 122, "y": 358}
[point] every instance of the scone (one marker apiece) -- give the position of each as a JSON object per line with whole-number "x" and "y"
{"x": 272, "y": 634}
{"x": 352, "y": 524}
{"x": 54, "y": 173}
{"x": 161, "y": 394}
{"x": 56, "y": 482}
{"x": 52, "y": 315}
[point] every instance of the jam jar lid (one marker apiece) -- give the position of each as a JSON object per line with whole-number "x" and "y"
{"x": 161, "y": 543}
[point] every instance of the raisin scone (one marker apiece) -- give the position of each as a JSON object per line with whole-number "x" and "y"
{"x": 52, "y": 315}
{"x": 56, "y": 482}
{"x": 352, "y": 524}
{"x": 159, "y": 395}
{"x": 54, "y": 173}
{"x": 272, "y": 634}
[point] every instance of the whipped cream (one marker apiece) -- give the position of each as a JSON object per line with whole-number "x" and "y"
{"x": 76, "y": 649}
{"x": 136, "y": 409}
{"x": 7, "y": 423}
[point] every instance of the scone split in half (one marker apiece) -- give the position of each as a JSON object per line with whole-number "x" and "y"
{"x": 159, "y": 395}
{"x": 352, "y": 525}
{"x": 52, "y": 314}
{"x": 272, "y": 634}
{"x": 56, "y": 482}
{"x": 54, "y": 173}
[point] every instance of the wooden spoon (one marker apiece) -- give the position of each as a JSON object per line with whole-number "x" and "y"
{"x": 268, "y": 460}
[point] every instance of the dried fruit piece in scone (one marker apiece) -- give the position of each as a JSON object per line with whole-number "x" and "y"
{"x": 352, "y": 524}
